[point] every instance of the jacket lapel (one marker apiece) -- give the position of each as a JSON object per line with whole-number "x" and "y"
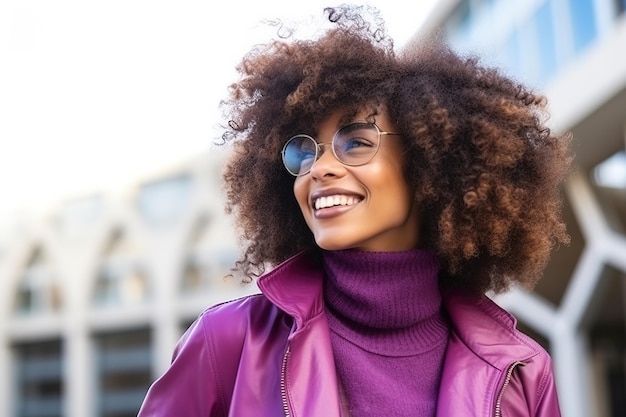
{"x": 296, "y": 287}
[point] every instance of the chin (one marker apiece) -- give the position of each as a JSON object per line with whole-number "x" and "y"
{"x": 326, "y": 245}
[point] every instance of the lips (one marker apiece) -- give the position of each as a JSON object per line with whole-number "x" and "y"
{"x": 335, "y": 200}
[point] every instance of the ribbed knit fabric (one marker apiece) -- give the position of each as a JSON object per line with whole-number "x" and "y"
{"x": 387, "y": 331}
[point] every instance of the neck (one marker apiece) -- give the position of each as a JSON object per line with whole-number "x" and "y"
{"x": 384, "y": 314}
{"x": 388, "y": 299}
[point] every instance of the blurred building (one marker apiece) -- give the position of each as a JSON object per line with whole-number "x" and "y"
{"x": 574, "y": 52}
{"x": 96, "y": 291}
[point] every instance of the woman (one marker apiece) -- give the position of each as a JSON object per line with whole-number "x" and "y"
{"x": 421, "y": 182}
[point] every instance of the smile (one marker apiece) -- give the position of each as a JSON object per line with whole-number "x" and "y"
{"x": 335, "y": 200}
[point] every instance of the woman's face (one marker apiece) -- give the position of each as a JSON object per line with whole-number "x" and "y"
{"x": 376, "y": 210}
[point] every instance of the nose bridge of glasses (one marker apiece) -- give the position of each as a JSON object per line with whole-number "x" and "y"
{"x": 321, "y": 151}
{"x": 320, "y": 145}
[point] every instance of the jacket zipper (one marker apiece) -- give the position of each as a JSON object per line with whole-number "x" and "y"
{"x": 283, "y": 382}
{"x": 507, "y": 380}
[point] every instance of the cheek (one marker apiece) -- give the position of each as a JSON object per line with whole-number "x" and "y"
{"x": 393, "y": 186}
{"x": 300, "y": 194}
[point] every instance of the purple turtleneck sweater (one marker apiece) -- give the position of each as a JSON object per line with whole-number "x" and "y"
{"x": 387, "y": 330}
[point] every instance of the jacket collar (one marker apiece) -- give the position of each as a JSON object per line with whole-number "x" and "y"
{"x": 487, "y": 330}
{"x": 296, "y": 285}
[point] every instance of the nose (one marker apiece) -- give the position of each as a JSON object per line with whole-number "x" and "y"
{"x": 326, "y": 164}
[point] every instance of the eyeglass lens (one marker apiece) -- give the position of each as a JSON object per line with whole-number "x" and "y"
{"x": 354, "y": 144}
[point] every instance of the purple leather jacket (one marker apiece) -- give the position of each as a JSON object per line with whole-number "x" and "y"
{"x": 270, "y": 355}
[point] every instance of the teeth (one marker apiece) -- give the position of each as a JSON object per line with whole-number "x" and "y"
{"x": 335, "y": 200}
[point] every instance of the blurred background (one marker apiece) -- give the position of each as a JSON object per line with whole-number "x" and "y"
{"x": 112, "y": 232}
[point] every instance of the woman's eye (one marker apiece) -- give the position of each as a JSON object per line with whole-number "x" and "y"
{"x": 356, "y": 142}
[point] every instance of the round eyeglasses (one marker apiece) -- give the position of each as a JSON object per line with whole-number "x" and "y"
{"x": 353, "y": 145}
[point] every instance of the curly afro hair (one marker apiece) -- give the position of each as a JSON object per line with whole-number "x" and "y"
{"x": 486, "y": 170}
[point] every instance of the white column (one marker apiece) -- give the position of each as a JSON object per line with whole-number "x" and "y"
{"x": 167, "y": 252}
{"x": 6, "y": 385}
{"x": 78, "y": 372}
{"x": 571, "y": 361}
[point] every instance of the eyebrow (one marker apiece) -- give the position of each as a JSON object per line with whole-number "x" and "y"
{"x": 351, "y": 117}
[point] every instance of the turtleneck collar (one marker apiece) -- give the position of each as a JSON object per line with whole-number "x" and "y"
{"x": 385, "y": 302}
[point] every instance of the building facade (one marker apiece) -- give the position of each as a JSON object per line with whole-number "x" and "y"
{"x": 573, "y": 51}
{"x": 96, "y": 291}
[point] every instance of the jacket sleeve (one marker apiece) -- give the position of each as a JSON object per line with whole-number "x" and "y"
{"x": 190, "y": 386}
{"x": 532, "y": 391}
{"x": 548, "y": 403}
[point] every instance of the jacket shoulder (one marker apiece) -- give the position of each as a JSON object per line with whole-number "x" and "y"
{"x": 206, "y": 359}
{"x": 485, "y": 340}
{"x": 226, "y": 325}
{"x": 489, "y": 331}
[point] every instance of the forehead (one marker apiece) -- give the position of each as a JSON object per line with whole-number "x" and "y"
{"x": 341, "y": 117}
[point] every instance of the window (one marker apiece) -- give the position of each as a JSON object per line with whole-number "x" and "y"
{"x": 547, "y": 64}
{"x": 485, "y": 3}
{"x": 39, "y": 382}
{"x": 609, "y": 180}
{"x": 583, "y": 23}
{"x": 120, "y": 279}
{"x": 210, "y": 256}
{"x": 37, "y": 292}
{"x": 161, "y": 202}
{"x": 120, "y": 282}
{"x": 461, "y": 16}
{"x": 195, "y": 277}
{"x": 612, "y": 171}
{"x": 458, "y": 26}
{"x": 123, "y": 372}
{"x": 512, "y": 55}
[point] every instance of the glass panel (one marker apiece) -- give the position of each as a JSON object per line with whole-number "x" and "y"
{"x": 545, "y": 38}
{"x": 123, "y": 372}
{"x": 120, "y": 277}
{"x": 512, "y": 55}
{"x": 211, "y": 255}
{"x": 120, "y": 281}
{"x": 612, "y": 172}
{"x": 37, "y": 291}
{"x": 609, "y": 179}
{"x": 461, "y": 16}
{"x": 485, "y": 3}
{"x": 162, "y": 202}
{"x": 584, "y": 28}
{"x": 194, "y": 277}
{"x": 458, "y": 25}
{"x": 39, "y": 382}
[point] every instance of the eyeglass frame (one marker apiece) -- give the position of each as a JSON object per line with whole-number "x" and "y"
{"x": 318, "y": 146}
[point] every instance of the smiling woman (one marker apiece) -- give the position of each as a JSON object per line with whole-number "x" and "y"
{"x": 387, "y": 193}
